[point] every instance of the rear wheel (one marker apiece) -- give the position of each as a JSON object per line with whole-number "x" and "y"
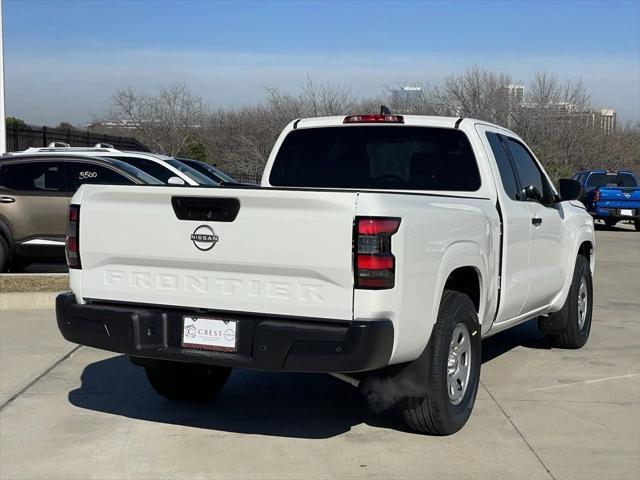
{"x": 637, "y": 225}
{"x": 570, "y": 327}
{"x": 453, "y": 375}
{"x": 610, "y": 223}
{"x": 186, "y": 381}
{"x": 4, "y": 255}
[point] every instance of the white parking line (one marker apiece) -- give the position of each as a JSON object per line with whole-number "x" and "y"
{"x": 584, "y": 382}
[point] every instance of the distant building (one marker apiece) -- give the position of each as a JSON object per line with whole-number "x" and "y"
{"x": 604, "y": 119}
{"x": 405, "y": 96}
{"x": 113, "y": 125}
{"x": 514, "y": 94}
{"x": 607, "y": 119}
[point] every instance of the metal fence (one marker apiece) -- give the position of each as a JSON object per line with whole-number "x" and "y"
{"x": 244, "y": 177}
{"x": 21, "y": 137}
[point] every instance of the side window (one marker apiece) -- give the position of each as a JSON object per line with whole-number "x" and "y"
{"x": 149, "y": 166}
{"x": 504, "y": 165}
{"x": 80, "y": 173}
{"x": 528, "y": 170}
{"x": 597, "y": 179}
{"x": 35, "y": 177}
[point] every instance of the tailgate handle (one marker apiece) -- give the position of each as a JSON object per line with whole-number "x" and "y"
{"x": 203, "y": 208}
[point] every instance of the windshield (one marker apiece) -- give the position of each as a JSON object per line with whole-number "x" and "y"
{"x": 151, "y": 167}
{"x": 208, "y": 170}
{"x": 192, "y": 173}
{"x": 136, "y": 172}
{"x": 377, "y": 157}
{"x": 602, "y": 179}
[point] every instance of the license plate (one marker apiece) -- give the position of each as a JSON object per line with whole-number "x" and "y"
{"x": 206, "y": 333}
{"x": 626, "y": 213}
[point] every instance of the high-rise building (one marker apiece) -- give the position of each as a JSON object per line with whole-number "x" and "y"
{"x": 404, "y": 96}
{"x": 608, "y": 119}
{"x": 515, "y": 94}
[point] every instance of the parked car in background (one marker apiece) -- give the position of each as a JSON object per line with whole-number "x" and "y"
{"x": 34, "y": 198}
{"x": 611, "y": 196}
{"x": 209, "y": 170}
{"x": 164, "y": 168}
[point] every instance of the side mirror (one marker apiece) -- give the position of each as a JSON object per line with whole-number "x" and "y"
{"x": 570, "y": 189}
{"x": 532, "y": 193}
{"x": 175, "y": 181}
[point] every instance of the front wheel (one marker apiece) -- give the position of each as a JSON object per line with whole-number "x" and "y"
{"x": 570, "y": 326}
{"x": 453, "y": 374}
{"x": 186, "y": 381}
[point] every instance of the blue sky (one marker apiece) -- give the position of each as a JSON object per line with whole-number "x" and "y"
{"x": 63, "y": 59}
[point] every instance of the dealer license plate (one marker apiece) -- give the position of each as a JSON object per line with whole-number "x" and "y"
{"x": 206, "y": 333}
{"x": 626, "y": 213}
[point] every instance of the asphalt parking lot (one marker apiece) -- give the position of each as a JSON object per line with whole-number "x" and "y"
{"x": 74, "y": 412}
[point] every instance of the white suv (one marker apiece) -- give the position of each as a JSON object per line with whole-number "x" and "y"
{"x": 164, "y": 168}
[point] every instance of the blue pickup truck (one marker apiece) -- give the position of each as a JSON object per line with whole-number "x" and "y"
{"x": 611, "y": 196}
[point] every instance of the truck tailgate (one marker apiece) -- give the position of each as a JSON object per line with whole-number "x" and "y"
{"x": 619, "y": 197}
{"x": 286, "y": 252}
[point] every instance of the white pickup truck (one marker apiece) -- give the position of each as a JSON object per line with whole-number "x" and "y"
{"x": 378, "y": 247}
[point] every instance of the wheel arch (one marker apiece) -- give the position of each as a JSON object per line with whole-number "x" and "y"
{"x": 463, "y": 268}
{"x": 584, "y": 244}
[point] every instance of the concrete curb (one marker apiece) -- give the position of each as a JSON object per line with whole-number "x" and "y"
{"x": 31, "y": 291}
{"x": 28, "y": 301}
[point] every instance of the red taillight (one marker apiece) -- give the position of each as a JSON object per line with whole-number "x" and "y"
{"x": 374, "y": 119}
{"x": 72, "y": 243}
{"x": 596, "y": 196}
{"x": 74, "y": 213}
{"x": 375, "y": 226}
{"x": 374, "y": 262}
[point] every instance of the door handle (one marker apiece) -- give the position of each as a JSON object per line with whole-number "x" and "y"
{"x": 536, "y": 221}
{"x": 5, "y": 199}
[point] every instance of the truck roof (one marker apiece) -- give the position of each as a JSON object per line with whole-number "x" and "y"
{"x": 410, "y": 120}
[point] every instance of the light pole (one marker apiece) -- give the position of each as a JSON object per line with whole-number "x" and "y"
{"x": 3, "y": 126}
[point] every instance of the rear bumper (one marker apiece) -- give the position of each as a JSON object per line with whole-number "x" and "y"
{"x": 611, "y": 212}
{"x": 264, "y": 343}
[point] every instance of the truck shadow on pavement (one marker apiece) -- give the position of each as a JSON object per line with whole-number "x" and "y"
{"x": 311, "y": 406}
{"x": 620, "y": 227}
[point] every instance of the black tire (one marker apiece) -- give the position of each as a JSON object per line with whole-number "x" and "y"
{"x": 435, "y": 413}
{"x": 637, "y": 225}
{"x": 4, "y": 255}
{"x": 610, "y": 223}
{"x": 571, "y": 333}
{"x": 186, "y": 381}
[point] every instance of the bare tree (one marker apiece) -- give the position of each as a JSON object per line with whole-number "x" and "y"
{"x": 546, "y": 90}
{"x": 556, "y": 119}
{"x": 475, "y": 93}
{"x": 165, "y": 122}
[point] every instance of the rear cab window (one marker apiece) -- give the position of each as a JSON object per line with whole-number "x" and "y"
{"x": 507, "y": 174}
{"x": 377, "y": 158}
{"x": 604, "y": 179}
